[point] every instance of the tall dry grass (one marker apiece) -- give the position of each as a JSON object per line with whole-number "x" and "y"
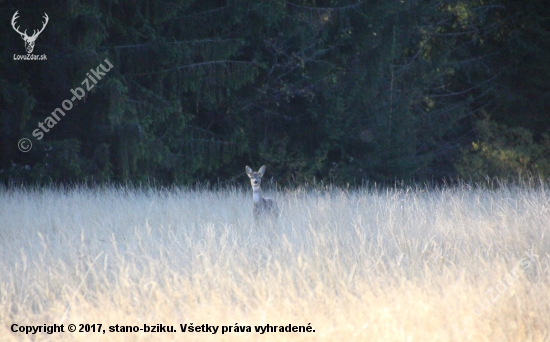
{"x": 378, "y": 265}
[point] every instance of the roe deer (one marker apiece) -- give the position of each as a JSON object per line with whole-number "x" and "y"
{"x": 262, "y": 205}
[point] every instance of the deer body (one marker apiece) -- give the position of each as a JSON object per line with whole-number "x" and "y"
{"x": 263, "y": 206}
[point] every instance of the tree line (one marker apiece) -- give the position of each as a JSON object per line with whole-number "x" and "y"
{"x": 335, "y": 91}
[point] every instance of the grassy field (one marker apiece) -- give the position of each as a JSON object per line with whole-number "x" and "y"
{"x": 455, "y": 264}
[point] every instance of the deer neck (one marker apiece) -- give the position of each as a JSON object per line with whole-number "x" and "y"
{"x": 256, "y": 194}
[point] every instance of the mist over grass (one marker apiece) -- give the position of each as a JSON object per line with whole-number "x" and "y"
{"x": 450, "y": 264}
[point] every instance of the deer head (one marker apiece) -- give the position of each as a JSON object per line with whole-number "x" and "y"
{"x": 29, "y": 41}
{"x": 255, "y": 177}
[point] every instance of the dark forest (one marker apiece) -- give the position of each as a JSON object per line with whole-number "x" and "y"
{"x": 334, "y": 91}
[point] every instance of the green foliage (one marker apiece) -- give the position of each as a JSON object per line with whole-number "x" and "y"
{"x": 61, "y": 162}
{"x": 334, "y": 90}
{"x": 505, "y": 153}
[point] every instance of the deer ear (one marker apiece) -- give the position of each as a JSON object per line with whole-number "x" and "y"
{"x": 248, "y": 171}
{"x": 261, "y": 171}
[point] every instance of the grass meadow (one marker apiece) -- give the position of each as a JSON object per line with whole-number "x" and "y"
{"x": 452, "y": 264}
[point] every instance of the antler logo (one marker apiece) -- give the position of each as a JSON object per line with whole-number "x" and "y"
{"x": 29, "y": 41}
